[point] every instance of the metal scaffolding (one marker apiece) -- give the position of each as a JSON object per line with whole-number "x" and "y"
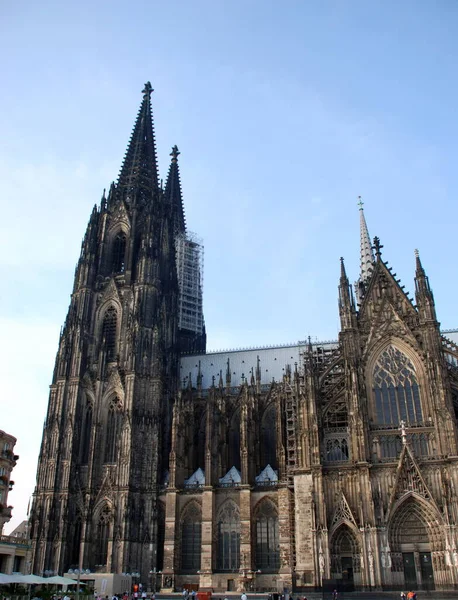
{"x": 190, "y": 267}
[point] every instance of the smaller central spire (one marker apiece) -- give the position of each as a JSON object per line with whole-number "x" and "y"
{"x": 367, "y": 255}
{"x": 367, "y": 258}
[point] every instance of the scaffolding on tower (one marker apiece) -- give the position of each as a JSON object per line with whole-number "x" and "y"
{"x": 190, "y": 270}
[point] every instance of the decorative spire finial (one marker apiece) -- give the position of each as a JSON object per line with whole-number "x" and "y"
{"x": 175, "y": 153}
{"x": 148, "y": 88}
{"x": 417, "y": 254}
{"x": 377, "y": 247}
{"x": 360, "y": 203}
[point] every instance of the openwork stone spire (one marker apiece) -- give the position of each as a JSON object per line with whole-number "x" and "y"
{"x": 367, "y": 254}
{"x": 139, "y": 172}
{"x": 367, "y": 258}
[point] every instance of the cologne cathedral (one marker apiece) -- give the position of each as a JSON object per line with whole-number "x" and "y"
{"x": 267, "y": 469}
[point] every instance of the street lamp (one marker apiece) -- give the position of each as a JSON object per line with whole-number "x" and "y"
{"x": 78, "y": 573}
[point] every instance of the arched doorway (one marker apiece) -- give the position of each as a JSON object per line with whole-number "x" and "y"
{"x": 346, "y": 556}
{"x": 417, "y": 544}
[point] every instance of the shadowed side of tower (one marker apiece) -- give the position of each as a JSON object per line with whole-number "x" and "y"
{"x": 106, "y": 439}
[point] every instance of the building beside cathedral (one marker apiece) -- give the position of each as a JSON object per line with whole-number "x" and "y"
{"x": 263, "y": 469}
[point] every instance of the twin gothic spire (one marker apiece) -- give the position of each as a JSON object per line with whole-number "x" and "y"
{"x": 138, "y": 179}
{"x": 139, "y": 172}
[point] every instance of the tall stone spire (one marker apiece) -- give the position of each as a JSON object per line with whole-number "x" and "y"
{"x": 139, "y": 172}
{"x": 173, "y": 193}
{"x": 367, "y": 254}
{"x": 367, "y": 258}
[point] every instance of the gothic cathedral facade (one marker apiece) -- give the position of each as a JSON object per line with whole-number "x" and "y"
{"x": 267, "y": 469}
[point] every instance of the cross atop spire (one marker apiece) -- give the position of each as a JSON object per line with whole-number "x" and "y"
{"x": 147, "y": 89}
{"x": 139, "y": 172}
{"x": 360, "y": 203}
{"x": 175, "y": 153}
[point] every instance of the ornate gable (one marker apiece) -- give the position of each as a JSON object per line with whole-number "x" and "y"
{"x": 119, "y": 215}
{"x": 106, "y": 489}
{"x": 342, "y": 513}
{"x": 387, "y": 323}
{"x": 110, "y": 294}
{"x": 114, "y": 382}
{"x": 409, "y": 480}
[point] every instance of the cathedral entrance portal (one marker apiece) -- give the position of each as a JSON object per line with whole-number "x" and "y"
{"x": 347, "y": 569}
{"x": 414, "y": 534}
{"x": 345, "y": 557}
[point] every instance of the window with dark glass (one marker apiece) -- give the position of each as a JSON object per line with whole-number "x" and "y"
{"x": 228, "y": 538}
{"x": 102, "y": 537}
{"x": 269, "y": 438}
{"x": 76, "y": 541}
{"x": 86, "y": 435}
{"x": 113, "y": 432}
{"x": 191, "y": 540}
{"x": 336, "y": 432}
{"x": 109, "y": 333}
{"x": 267, "y": 546}
{"x": 119, "y": 253}
{"x": 396, "y": 389}
{"x": 234, "y": 441}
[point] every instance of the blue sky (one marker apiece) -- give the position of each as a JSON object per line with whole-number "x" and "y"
{"x": 283, "y": 112}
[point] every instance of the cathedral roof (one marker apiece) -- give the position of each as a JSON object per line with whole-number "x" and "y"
{"x": 243, "y": 361}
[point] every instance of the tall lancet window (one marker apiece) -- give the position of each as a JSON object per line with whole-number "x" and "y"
{"x": 267, "y": 545}
{"x": 102, "y": 537}
{"x": 191, "y": 539}
{"x": 109, "y": 333}
{"x": 119, "y": 253}
{"x": 228, "y": 538}
{"x": 113, "y": 431}
{"x": 396, "y": 389}
{"x": 234, "y": 441}
{"x": 76, "y": 542}
{"x": 86, "y": 434}
{"x": 269, "y": 438}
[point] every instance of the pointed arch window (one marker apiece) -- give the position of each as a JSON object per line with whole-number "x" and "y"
{"x": 119, "y": 253}
{"x": 113, "y": 431}
{"x": 267, "y": 545}
{"x": 76, "y": 542}
{"x": 234, "y": 441}
{"x": 109, "y": 327}
{"x": 229, "y": 538}
{"x": 336, "y": 432}
{"x": 191, "y": 540}
{"x": 86, "y": 434}
{"x": 336, "y": 416}
{"x": 102, "y": 537}
{"x": 269, "y": 438}
{"x": 396, "y": 389}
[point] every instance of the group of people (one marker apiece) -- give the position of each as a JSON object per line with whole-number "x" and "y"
{"x": 410, "y": 595}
